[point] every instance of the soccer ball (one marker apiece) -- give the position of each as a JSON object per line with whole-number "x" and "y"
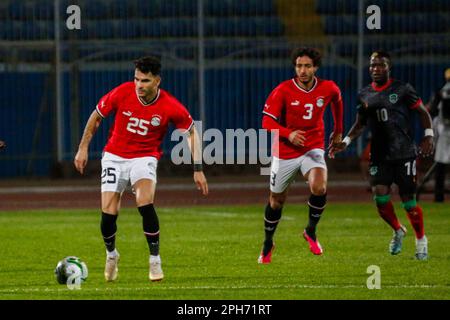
{"x": 71, "y": 271}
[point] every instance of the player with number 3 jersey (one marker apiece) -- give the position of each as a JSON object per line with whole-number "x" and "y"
{"x": 294, "y": 111}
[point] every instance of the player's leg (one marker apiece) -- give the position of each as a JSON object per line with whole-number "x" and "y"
{"x": 283, "y": 173}
{"x": 314, "y": 169}
{"x": 406, "y": 181}
{"x": 381, "y": 178}
{"x": 143, "y": 179}
{"x": 114, "y": 181}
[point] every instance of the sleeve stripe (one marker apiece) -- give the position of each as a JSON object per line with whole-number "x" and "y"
{"x": 417, "y": 104}
{"x": 98, "y": 111}
{"x": 270, "y": 115}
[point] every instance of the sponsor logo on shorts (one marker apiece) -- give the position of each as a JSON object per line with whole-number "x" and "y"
{"x": 317, "y": 157}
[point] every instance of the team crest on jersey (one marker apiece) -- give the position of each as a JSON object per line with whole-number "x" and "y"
{"x": 320, "y": 102}
{"x": 393, "y": 98}
{"x": 156, "y": 120}
{"x": 373, "y": 170}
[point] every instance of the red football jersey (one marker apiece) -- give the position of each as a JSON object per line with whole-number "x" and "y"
{"x": 139, "y": 128}
{"x": 294, "y": 108}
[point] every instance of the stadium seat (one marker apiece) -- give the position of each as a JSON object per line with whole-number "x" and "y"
{"x": 44, "y": 9}
{"x": 95, "y": 9}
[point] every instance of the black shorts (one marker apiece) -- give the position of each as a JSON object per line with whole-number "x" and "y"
{"x": 402, "y": 173}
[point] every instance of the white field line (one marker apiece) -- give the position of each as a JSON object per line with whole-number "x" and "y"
{"x": 168, "y": 288}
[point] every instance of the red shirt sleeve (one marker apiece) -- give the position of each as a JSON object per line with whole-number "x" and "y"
{"x": 337, "y": 108}
{"x": 107, "y": 104}
{"x": 180, "y": 116}
{"x": 272, "y": 112}
{"x": 270, "y": 124}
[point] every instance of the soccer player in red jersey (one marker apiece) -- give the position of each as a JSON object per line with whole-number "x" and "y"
{"x": 143, "y": 112}
{"x": 295, "y": 109}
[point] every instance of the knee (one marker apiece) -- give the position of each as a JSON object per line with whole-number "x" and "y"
{"x": 277, "y": 202}
{"x": 143, "y": 198}
{"x": 318, "y": 189}
{"x": 110, "y": 208}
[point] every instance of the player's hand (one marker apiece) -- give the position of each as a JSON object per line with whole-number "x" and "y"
{"x": 426, "y": 146}
{"x": 2, "y": 144}
{"x": 200, "y": 181}
{"x": 336, "y": 148}
{"x": 80, "y": 160}
{"x": 334, "y": 139}
{"x": 297, "y": 138}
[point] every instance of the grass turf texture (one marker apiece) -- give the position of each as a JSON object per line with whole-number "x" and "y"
{"x": 211, "y": 253}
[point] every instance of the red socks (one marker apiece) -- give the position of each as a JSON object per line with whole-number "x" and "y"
{"x": 387, "y": 212}
{"x": 415, "y": 216}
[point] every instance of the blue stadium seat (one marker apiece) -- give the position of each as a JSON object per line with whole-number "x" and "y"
{"x": 269, "y": 26}
{"x": 29, "y": 30}
{"x": 183, "y": 27}
{"x": 7, "y": 30}
{"x": 95, "y": 9}
{"x": 171, "y": 8}
{"x": 104, "y": 29}
{"x": 121, "y": 9}
{"x": 128, "y": 29}
{"x": 337, "y": 7}
{"x": 44, "y": 9}
{"x": 149, "y": 9}
{"x": 19, "y": 10}
{"x": 226, "y": 8}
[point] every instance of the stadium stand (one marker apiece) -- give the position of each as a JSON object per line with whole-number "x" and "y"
{"x": 246, "y": 47}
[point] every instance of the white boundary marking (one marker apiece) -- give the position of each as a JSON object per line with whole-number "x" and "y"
{"x": 162, "y": 287}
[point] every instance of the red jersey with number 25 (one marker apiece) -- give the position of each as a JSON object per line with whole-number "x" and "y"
{"x": 290, "y": 107}
{"x": 139, "y": 128}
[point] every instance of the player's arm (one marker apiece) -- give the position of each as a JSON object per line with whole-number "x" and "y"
{"x": 426, "y": 146}
{"x": 195, "y": 146}
{"x": 296, "y": 137}
{"x": 356, "y": 130}
{"x": 2, "y": 144}
{"x": 92, "y": 125}
{"x": 337, "y": 109}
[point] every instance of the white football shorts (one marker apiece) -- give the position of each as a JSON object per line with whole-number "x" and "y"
{"x": 118, "y": 171}
{"x": 284, "y": 171}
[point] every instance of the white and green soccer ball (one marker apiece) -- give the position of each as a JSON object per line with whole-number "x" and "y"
{"x": 71, "y": 271}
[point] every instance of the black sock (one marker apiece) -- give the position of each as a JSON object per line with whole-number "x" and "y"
{"x": 271, "y": 219}
{"x": 150, "y": 225}
{"x": 108, "y": 227}
{"x": 316, "y": 206}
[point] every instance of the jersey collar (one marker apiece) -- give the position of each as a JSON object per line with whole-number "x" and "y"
{"x": 383, "y": 87}
{"x": 307, "y": 91}
{"x": 151, "y": 102}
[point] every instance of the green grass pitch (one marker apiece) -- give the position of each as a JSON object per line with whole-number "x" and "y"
{"x": 211, "y": 253}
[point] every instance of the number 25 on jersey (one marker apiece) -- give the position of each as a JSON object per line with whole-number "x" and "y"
{"x": 138, "y": 126}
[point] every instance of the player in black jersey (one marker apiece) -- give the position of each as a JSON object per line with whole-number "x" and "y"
{"x": 387, "y": 106}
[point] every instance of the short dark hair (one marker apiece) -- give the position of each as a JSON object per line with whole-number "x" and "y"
{"x": 148, "y": 64}
{"x": 381, "y": 54}
{"x": 313, "y": 53}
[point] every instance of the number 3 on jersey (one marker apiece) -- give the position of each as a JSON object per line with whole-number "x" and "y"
{"x": 309, "y": 109}
{"x": 138, "y": 126}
